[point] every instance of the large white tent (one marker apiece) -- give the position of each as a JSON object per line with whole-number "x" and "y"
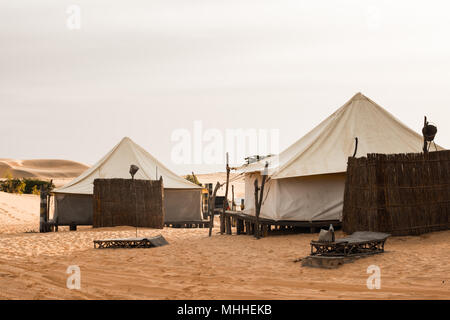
{"x": 73, "y": 202}
{"x": 306, "y": 181}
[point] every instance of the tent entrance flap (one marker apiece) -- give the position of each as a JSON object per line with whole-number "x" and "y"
{"x": 182, "y": 205}
{"x": 73, "y": 209}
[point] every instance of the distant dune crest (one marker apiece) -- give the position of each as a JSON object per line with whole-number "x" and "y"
{"x": 41, "y": 168}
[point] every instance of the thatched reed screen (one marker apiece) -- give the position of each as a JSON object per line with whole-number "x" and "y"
{"x": 126, "y": 202}
{"x": 402, "y": 194}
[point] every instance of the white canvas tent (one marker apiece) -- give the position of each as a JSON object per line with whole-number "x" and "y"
{"x": 306, "y": 181}
{"x": 73, "y": 202}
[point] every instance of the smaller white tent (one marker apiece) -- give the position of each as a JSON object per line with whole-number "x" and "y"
{"x": 73, "y": 202}
{"x": 307, "y": 180}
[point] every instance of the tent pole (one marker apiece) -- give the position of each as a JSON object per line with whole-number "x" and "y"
{"x": 225, "y": 201}
{"x": 232, "y": 198}
{"x": 43, "y": 210}
{"x": 211, "y": 206}
{"x": 258, "y": 202}
{"x": 135, "y": 205}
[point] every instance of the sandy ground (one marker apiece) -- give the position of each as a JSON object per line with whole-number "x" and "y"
{"x": 193, "y": 266}
{"x": 18, "y": 213}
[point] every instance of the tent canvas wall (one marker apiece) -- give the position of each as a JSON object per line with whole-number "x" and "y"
{"x": 307, "y": 180}
{"x": 309, "y": 198}
{"x": 73, "y": 202}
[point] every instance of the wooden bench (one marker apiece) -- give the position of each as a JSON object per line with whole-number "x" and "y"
{"x": 157, "y": 241}
{"x": 359, "y": 243}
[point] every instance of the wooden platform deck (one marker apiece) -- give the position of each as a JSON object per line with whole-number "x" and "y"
{"x": 246, "y": 224}
{"x": 157, "y": 241}
{"x": 187, "y": 224}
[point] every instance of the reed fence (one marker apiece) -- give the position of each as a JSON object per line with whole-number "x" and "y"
{"x": 127, "y": 202}
{"x": 401, "y": 194}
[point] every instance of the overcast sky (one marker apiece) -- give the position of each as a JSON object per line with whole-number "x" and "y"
{"x": 146, "y": 68}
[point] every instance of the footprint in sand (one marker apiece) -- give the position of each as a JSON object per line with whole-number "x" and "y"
{"x": 9, "y": 215}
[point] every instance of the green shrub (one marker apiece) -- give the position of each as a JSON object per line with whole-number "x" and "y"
{"x": 35, "y": 190}
{"x": 31, "y": 183}
{"x": 27, "y": 186}
{"x": 20, "y": 187}
{"x": 12, "y": 185}
{"x": 192, "y": 178}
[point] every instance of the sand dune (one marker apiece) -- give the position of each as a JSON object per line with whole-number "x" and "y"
{"x": 41, "y": 168}
{"x": 193, "y": 266}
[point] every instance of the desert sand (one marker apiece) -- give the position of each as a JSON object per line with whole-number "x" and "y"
{"x": 193, "y": 266}
{"x": 18, "y": 213}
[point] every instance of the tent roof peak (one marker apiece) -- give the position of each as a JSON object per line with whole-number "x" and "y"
{"x": 326, "y": 148}
{"x": 358, "y": 96}
{"x": 116, "y": 164}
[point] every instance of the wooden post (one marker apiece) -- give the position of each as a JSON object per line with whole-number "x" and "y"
{"x": 256, "y": 205}
{"x": 258, "y": 200}
{"x": 136, "y": 203}
{"x": 225, "y": 201}
{"x": 228, "y": 223}
{"x": 211, "y": 207}
{"x": 43, "y": 211}
{"x": 224, "y": 227}
{"x": 52, "y": 227}
{"x": 247, "y": 228}
{"x": 425, "y": 144}
{"x": 265, "y": 230}
{"x": 233, "y": 205}
{"x": 238, "y": 226}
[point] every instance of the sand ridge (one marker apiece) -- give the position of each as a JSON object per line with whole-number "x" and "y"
{"x": 41, "y": 168}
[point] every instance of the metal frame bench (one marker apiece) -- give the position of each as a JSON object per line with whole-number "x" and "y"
{"x": 359, "y": 243}
{"x": 157, "y": 241}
